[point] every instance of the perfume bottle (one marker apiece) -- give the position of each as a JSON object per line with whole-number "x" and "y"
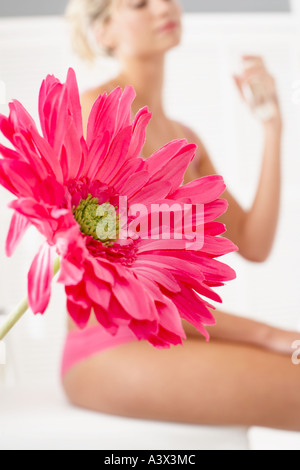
{"x": 256, "y": 95}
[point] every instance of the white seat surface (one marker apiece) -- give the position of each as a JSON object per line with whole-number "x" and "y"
{"x": 44, "y": 420}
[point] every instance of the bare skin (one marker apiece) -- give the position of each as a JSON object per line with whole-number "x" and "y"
{"x": 244, "y": 375}
{"x": 216, "y": 383}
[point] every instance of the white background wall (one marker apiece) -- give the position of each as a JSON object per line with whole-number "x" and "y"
{"x": 56, "y": 7}
{"x": 200, "y": 92}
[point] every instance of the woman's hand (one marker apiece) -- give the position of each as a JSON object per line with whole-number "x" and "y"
{"x": 263, "y": 83}
{"x": 281, "y": 341}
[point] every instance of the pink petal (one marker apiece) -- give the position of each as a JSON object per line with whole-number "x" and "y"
{"x": 79, "y": 314}
{"x": 9, "y": 153}
{"x": 117, "y": 312}
{"x": 151, "y": 193}
{"x": 215, "y": 209}
{"x": 73, "y": 252}
{"x": 192, "y": 309}
{"x": 39, "y": 215}
{"x": 116, "y": 156}
{"x": 70, "y": 273}
{"x": 73, "y": 150}
{"x": 151, "y": 245}
{"x": 201, "y": 191}
{"x": 162, "y": 277}
{"x": 163, "y": 339}
{"x": 214, "y": 228}
{"x": 103, "y": 115}
{"x": 159, "y": 159}
{"x": 199, "y": 286}
{"x": 134, "y": 183}
{"x": 28, "y": 155}
{"x": 61, "y": 121}
{"x": 6, "y": 127}
{"x": 105, "y": 320}
{"x": 129, "y": 168}
{"x": 194, "y": 264}
{"x": 49, "y": 155}
{"x": 170, "y": 264}
{"x": 102, "y": 270}
{"x": 170, "y": 329}
{"x": 169, "y": 318}
{"x": 19, "y": 117}
{"x": 138, "y": 306}
{"x": 98, "y": 292}
{"x": 188, "y": 274}
{"x": 55, "y": 112}
{"x": 77, "y": 295}
{"x": 175, "y": 168}
{"x": 124, "y": 108}
{"x": 74, "y": 101}
{"x": 18, "y": 226}
{"x": 152, "y": 288}
{"x": 139, "y": 132}
{"x": 84, "y": 158}
{"x": 114, "y": 316}
{"x": 218, "y": 246}
{"x": 96, "y": 155}
{"x": 39, "y": 279}
{"x": 5, "y": 180}
{"x": 21, "y": 176}
{"x": 49, "y": 83}
{"x": 143, "y": 329}
{"x": 50, "y": 192}
{"x": 92, "y": 131}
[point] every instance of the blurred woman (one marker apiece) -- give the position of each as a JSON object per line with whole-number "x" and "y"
{"x": 244, "y": 375}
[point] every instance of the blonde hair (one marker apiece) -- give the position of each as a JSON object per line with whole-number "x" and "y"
{"x": 84, "y": 16}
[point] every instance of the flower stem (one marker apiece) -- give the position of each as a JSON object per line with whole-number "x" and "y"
{"x": 21, "y": 309}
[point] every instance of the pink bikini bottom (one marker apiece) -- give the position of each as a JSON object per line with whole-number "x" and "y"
{"x": 81, "y": 344}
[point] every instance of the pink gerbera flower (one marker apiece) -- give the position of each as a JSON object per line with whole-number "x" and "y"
{"x": 68, "y": 187}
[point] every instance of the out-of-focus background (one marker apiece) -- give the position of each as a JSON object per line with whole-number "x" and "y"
{"x": 34, "y": 42}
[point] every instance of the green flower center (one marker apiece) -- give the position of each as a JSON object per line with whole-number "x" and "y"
{"x": 99, "y": 221}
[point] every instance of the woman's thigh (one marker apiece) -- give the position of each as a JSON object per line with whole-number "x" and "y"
{"x": 215, "y": 383}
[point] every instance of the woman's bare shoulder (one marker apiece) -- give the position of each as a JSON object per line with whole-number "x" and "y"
{"x": 193, "y": 137}
{"x": 91, "y": 94}
{"x": 187, "y": 131}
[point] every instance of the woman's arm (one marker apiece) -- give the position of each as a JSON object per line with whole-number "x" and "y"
{"x": 237, "y": 329}
{"x": 253, "y": 231}
{"x": 232, "y": 328}
{"x": 260, "y": 224}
